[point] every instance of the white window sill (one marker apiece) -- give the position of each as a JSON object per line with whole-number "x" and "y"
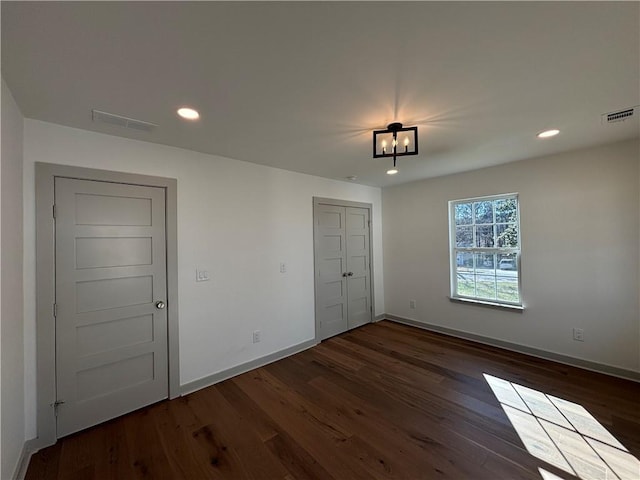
{"x": 484, "y": 303}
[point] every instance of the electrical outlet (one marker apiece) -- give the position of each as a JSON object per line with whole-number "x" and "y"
{"x": 256, "y": 336}
{"x": 412, "y": 304}
{"x": 578, "y": 334}
{"x": 283, "y": 267}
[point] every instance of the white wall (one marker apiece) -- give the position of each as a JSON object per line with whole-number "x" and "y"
{"x": 11, "y": 312}
{"x": 580, "y": 253}
{"x": 238, "y": 220}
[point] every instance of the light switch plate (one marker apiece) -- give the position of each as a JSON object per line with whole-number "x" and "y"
{"x": 283, "y": 267}
{"x": 202, "y": 275}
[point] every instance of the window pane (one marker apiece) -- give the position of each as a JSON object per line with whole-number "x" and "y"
{"x": 507, "y": 263}
{"x": 463, "y": 214}
{"x": 505, "y": 210}
{"x": 484, "y": 236}
{"x": 464, "y": 261}
{"x": 507, "y": 235}
{"x": 508, "y": 289}
{"x": 464, "y": 237}
{"x": 484, "y": 212}
{"x": 486, "y": 249}
{"x": 485, "y": 263}
{"x": 466, "y": 284}
{"x": 486, "y": 286}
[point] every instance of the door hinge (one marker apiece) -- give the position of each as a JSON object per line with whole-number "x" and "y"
{"x": 55, "y": 309}
{"x": 54, "y": 211}
{"x": 56, "y": 406}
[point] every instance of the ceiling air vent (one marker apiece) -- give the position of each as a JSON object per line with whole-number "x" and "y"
{"x": 121, "y": 121}
{"x": 620, "y": 115}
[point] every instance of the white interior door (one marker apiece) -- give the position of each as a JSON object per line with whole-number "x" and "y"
{"x": 331, "y": 269}
{"x": 358, "y": 275}
{"x": 343, "y": 273}
{"x": 111, "y": 324}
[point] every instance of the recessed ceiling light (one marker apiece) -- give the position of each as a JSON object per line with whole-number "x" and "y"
{"x": 351, "y": 177}
{"x": 392, "y": 171}
{"x": 548, "y": 133}
{"x": 188, "y": 113}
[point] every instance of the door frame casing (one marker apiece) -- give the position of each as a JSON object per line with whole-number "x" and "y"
{"x": 45, "y": 174}
{"x": 341, "y": 203}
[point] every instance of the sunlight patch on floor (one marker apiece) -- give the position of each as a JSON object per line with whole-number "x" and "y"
{"x": 563, "y": 434}
{"x": 548, "y": 475}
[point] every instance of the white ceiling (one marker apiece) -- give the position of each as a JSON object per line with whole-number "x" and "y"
{"x": 301, "y": 85}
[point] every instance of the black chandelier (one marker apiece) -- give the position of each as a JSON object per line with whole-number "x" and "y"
{"x": 395, "y": 141}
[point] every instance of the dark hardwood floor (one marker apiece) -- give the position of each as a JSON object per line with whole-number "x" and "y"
{"x": 383, "y": 401}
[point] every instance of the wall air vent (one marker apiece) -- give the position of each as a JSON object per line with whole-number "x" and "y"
{"x": 620, "y": 115}
{"x": 121, "y": 121}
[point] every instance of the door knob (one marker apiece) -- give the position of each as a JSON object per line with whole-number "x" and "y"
{"x": 350, "y": 274}
{"x": 344, "y": 274}
{"x": 160, "y": 305}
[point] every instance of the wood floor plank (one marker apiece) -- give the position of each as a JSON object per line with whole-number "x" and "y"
{"x": 176, "y": 435}
{"x": 438, "y": 446}
{"x": 76, "y": 456}
{"x": 313, "y": 430}
{"x": 413, "y": 397}
{"x": 44, "y": 465}
{"x": 533, "y": 372}
{"x": 384, "y": 401}
{"x": 409, "y": 458}
{"x": 394, "y": 454}
{"x": 295, "y": 458}
{"x": 109, "y": 438}
{"x": 238, "y": 437}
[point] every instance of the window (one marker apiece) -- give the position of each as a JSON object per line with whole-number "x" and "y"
{"x": 485, "y": 250}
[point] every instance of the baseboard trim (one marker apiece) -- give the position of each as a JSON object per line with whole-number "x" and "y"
{"x": 245, "y": 367}
{"x": 28, "y": 449}
{"x": 377, "y": 318}
{"x": 514, "y": 347}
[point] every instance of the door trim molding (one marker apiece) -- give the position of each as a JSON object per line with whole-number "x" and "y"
{"x": 45, "y": 174}
{"x": 341, "y": 203}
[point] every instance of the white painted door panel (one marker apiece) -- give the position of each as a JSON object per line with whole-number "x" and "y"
{"x": 359, "y": 276}
{"x": 331, "y": 264}
{"x": 111, "y": 339}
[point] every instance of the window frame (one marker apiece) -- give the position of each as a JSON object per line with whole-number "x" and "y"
{"x": 454, "y": 250}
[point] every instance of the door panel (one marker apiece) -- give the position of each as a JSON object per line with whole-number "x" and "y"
{"x": 341, "y": 236}
{"x": 112, "y": 252}
{"x": 331, "y": 306}
{"x": 93, "y": 209}
{"x": 111, "y": 340}
{"x": 358, "y": 286}
{"x": 105, "y": 336}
